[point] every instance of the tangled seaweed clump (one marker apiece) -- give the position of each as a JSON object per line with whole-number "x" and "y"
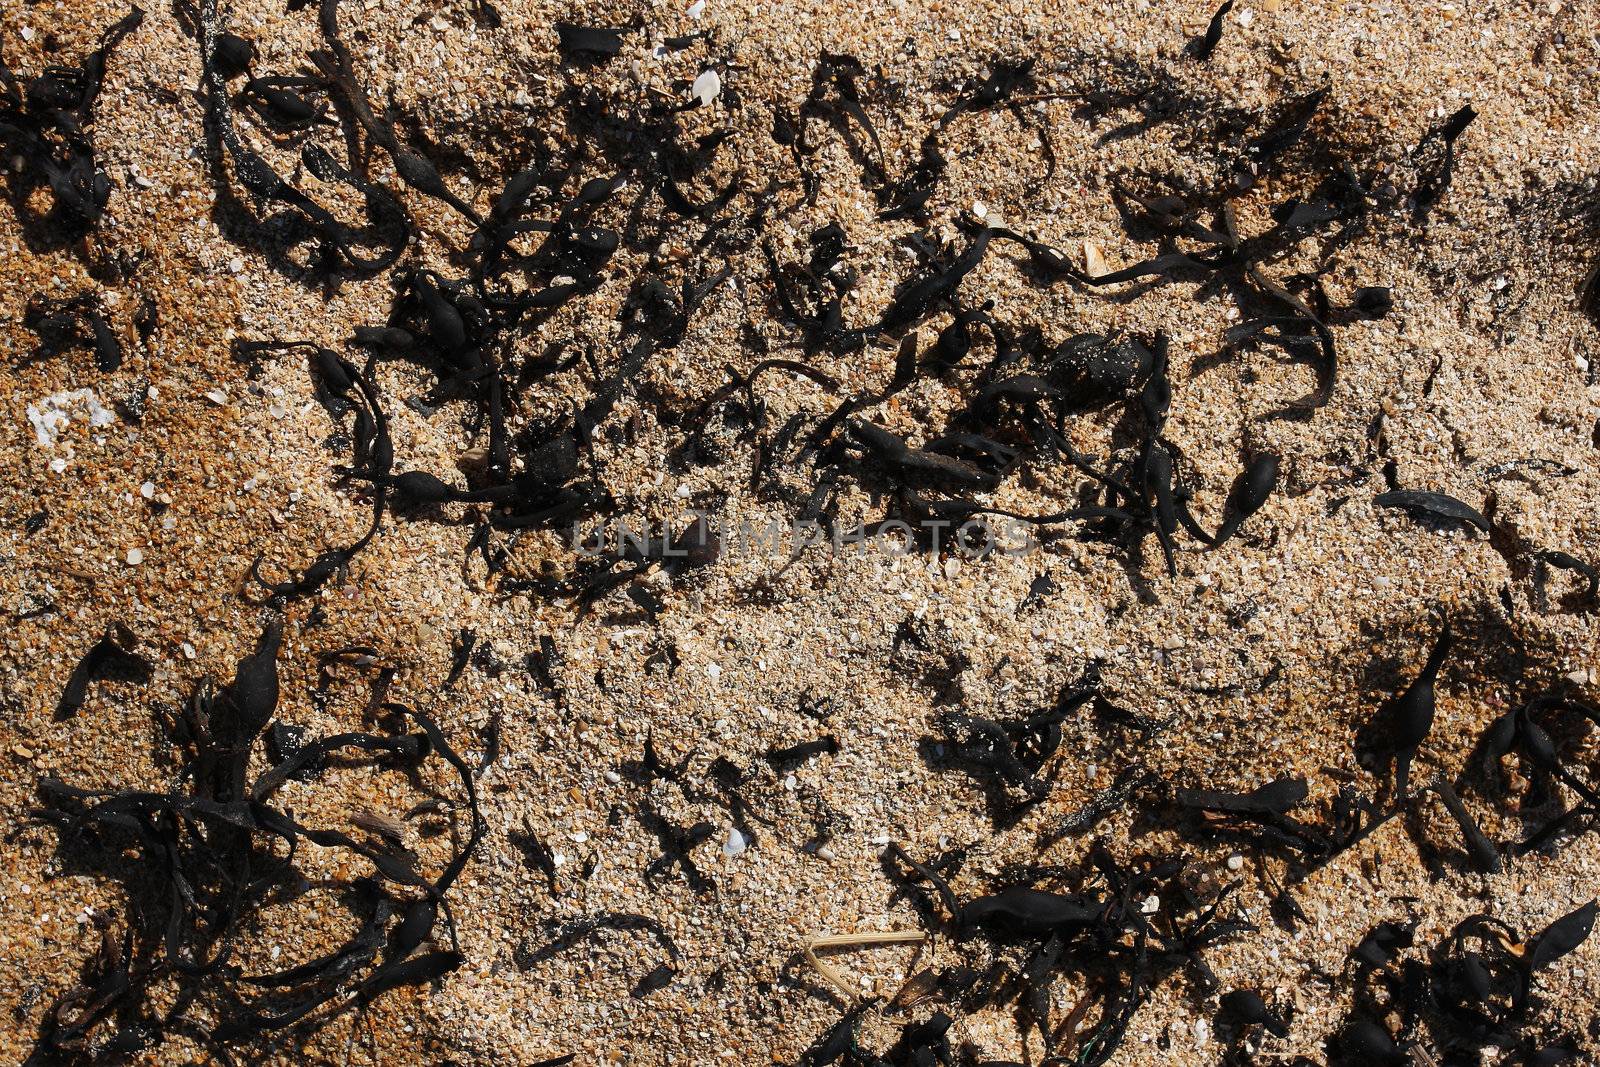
{"x": 545, "y": 277}
{"x": 204, "y": 863}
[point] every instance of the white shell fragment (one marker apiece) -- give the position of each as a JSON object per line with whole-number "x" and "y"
{"x": 50, "y": 415}
{"x": 735, "y": 843}
{"x": 707, "y": 88}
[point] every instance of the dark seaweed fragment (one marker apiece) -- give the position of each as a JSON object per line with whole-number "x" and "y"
{"x": 304, "y": 219}
{"x": 916, "y": 298}
{"x": 1201, "y": 48}
{"x": 110, "y": 659}
{"x": 337, "y": 68}
{"x": 677, "y": 842}
{"x": 1261, "y": 815}
{"x": 1561, "y": 937}
{"x": 1485, "y": 857}
{"x": 588, "y": 40}
{"x": 1437, "y": 154}
{"x": 1398, "y": 728}
{"x": 1373, "y": 301}
{"x": 794, "y": 755}
{"x": 1567, "y": 561}
{"x": 233, "y": 54}
{"x": 1290, "y": 127}
{"x": 1101, "y": 935}
{"x": 76, "y": 322}
{"x": 1383, "y": 943}
{"x": 1246, "y": 1007}
{"x": 1367, "y": 1042}
{"x": 1250, "y": 491}
{"x": 1436, "y": 505}
{"x": 47, "y": 133}
{"x": 1273, "y": 798}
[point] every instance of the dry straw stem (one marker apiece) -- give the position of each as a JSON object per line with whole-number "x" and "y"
{"x": 824, "y": 941}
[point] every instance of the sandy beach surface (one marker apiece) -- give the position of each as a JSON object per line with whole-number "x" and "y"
{"x": 1257, "y": 661}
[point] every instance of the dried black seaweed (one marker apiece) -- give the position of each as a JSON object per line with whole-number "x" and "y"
{"x": 1246, "y": 1007}
{"x": 1105, "y": 939}
{"x": 1249, "y": 492}
{"x": 75, "y": 322}
{"x": 1399, "y": 727}
{"x": 603, "y": 198}
{"x": 1436, "y": 153}
{"x": 110, "y": 659}
{"x": 1435, "y": 505}
{"x": 1206, "y": 44}
{"x": 47, "y": 130}
{"x": 588, "y": 40}
{"x": 206, "y": 847}
{"x": 1567, "y": 561}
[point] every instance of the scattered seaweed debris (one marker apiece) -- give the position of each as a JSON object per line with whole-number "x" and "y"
{"x": 1401, "y": 725}
{"x": 1474, "y": 992}
{"x": 1125, "y": 931}
{"x": 201, "y": 862}
{"x": 588, "y": 41}
{"x": 1010, "y": 758}
{"x": 551, "y": 236}
{"x": 75, "y": 322}
{"x": 1248, "y": 494}
{"x": 1531, "y": 731}
{"x": 1435, "y": 156}
{"x": 1568, "y": 562}
{"x": 47, "y": 129}
{"x": 631, "y": 183}
{"x": 1246, "y": 1007}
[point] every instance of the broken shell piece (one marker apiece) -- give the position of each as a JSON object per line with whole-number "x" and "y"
{"x": 1094, "y": 261}
{"x": 706, "y": 88}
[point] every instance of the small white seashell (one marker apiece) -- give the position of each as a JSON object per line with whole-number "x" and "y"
{"x": 697, "y": 9}
{"x": 735, "y": 843}
{"x": 706, "y": 88}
